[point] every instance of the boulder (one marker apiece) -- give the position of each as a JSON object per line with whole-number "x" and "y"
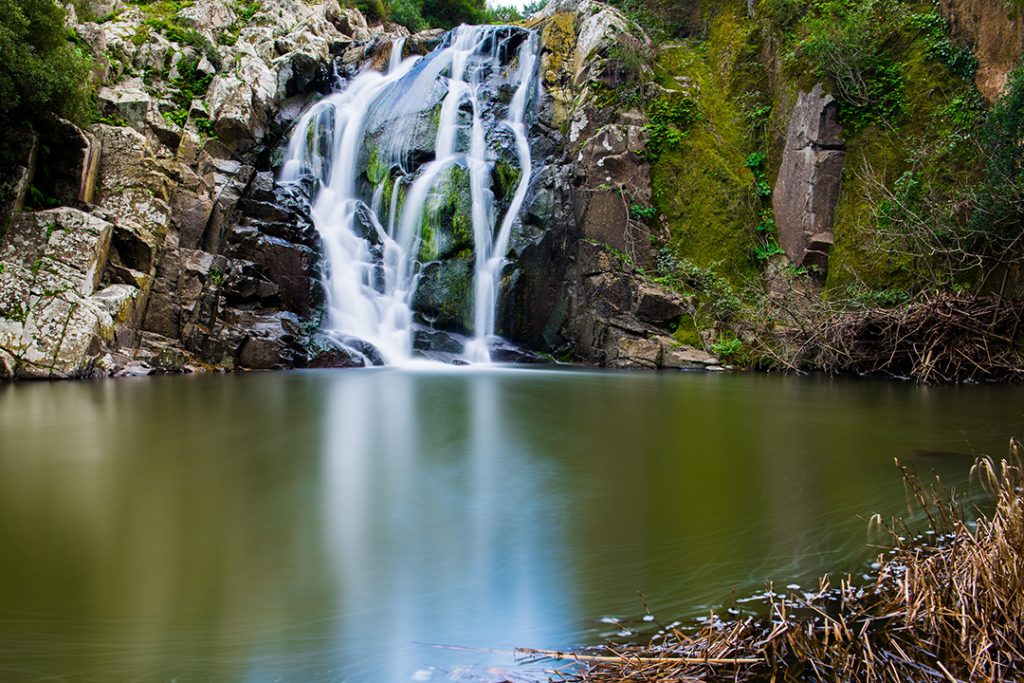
{"x": 52, "y": 321}
{"x": 128, "y": 102}
{"x": 809, "y": 181}
{"x": 657, "y": 306}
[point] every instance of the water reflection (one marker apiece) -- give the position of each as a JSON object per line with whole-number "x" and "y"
{"x": 326, "y": 526}
{"x": 429, "y": 535}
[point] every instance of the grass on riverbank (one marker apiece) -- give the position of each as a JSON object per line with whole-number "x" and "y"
{"x": 944, "y": 606}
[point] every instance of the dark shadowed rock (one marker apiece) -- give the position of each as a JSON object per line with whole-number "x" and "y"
{"x": 444, "y": 296}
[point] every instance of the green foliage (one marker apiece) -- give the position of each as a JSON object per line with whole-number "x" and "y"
{"x": 767, "y": 246}
{"x": 669, "y": 118}
{"x": 190, "y": 83}
{"x": 847, "y": 43}
{"x": 643, "y": 213}
{"x": 43, "y": 71}
{"x": 998, "y": 219}
{"x": 934, "y": 30}
{"x": 420, "y": 14}
{"x": 37, "y": 199}
{"x": 16, "y": 313}
{"x": 891, "y": 297}
{"x": 246, "y": 10}
{"x": 112, "y": 120}
{"x": 782, "y": 15}
{"x": 407, "y": 13}
{"x": 504, "y": 15}
{"x": 714, "y": 295}
{"x": 373, "y": 10}
{"x": 699, "y": 188}
{"x": 726, "y": 347}
{"x": 162, "y": 16}
{"x": 664, "y": 20}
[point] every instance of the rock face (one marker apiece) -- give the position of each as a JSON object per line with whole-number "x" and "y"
{"x": 53, "y": 317}
{"x": 180, "y": 252}
{"x": 996, "y": 32}
{"x": 809, "y": 181}
{"x": 579, "y": 289}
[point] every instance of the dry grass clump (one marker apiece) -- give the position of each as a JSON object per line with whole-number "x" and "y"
{"x": 947, "y": 605}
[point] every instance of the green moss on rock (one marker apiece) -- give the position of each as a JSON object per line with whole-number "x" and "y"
{"x": 700, "y": 188}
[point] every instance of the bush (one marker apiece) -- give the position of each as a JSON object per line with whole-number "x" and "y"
{"x": 407, "y": 13}
{"x": 449, "y": 13}
{"x": 43, "y": 72}
{"x": 847, "y": 44}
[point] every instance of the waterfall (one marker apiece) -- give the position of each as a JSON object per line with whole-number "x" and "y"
{"x": 380, "y": 154}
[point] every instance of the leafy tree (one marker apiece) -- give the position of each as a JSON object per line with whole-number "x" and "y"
{"x": 448, "y": 13}
{"x": 43, "y": 72}
{"x": 407, "y": 13}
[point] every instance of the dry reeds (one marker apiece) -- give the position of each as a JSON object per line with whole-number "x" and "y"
{"x": 945, "y": 606}
{"x": 943, "y": 337}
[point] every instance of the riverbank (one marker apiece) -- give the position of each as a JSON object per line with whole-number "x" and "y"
{"x": 945, "y": 605}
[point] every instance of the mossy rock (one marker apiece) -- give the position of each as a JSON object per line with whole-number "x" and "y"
{"x": 700, "y": 188}
{"x": 447, "y": 223}
{"x": 444, "y": 295}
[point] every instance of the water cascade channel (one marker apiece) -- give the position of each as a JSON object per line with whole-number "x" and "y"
{"x": 429, "y": 160}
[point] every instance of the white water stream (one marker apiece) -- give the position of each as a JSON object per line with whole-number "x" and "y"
{"x": 372, "y": 239}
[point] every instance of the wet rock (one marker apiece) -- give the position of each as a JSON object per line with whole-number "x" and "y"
{"x": 331, "y": 351}
{"x": 432, "y": 342}
{"x": 444, "y": 296}
{"x": 287, "y": 265}
{"x": 449, "y": 227}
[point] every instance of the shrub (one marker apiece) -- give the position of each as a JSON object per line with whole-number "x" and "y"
{"x": 846, "y": 44}
{"x": 999, "y": 215}
{"x": 449, "y": 13}
{"x": 407, "y": 13}
{"x": 43, "y": 72}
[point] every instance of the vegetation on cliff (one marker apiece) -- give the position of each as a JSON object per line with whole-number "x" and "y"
{"x": 930, "y": 198}
{"x": 44, "y": 71}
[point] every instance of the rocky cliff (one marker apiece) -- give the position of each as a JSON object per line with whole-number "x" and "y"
{"x": 581, "y": 291}
{"x": 995, "y": 31}
{"x": 686, "y": 196}
{"x": 174, "y": 247}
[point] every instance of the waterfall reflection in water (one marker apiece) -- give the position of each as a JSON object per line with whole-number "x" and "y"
{"x": 444, "y": 461}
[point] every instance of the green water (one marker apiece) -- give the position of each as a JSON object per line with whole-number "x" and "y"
{"x": 329, "y": 526}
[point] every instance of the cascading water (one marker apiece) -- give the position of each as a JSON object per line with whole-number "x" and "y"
{"x": 381, "y": 155}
